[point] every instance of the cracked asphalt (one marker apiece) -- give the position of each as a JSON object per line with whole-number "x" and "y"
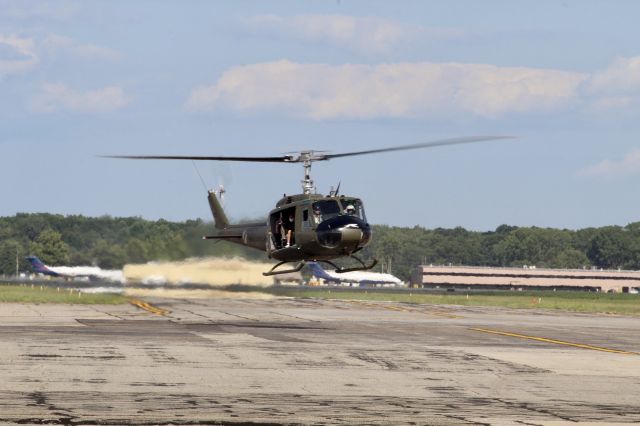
{"x": 306, "y": 361}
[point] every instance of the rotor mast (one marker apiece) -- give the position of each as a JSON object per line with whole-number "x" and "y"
{"x": 307, "y": 183}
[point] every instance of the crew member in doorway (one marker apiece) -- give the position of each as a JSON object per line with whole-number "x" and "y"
{"x": 281, "y": 231}
{"x": 291, "y": 224}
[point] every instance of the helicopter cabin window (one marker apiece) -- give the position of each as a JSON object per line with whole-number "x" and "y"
{"x": 354, "y": 207}
{"x": 305, "y": 219}
{"x": 325, "y": 209}
{"x": 283, "y": 227}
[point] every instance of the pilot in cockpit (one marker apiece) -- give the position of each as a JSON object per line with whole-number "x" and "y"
{"x": 317, "y": 214}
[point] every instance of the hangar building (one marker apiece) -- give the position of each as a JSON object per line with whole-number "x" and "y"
{"x": 524, "y": 278}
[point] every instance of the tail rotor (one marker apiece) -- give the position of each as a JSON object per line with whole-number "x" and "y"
{"x": 221, "y": 191}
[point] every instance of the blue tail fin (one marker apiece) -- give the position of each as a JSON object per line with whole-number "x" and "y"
{"x": 40, "y": 267}
{"x": 318, "y": 271}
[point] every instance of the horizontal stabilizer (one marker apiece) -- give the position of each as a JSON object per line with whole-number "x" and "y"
{"x": 221, "y": 237}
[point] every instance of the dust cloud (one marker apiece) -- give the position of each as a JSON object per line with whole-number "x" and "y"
{"x": 195, "y": 294}
{"x": 212, "y": 271}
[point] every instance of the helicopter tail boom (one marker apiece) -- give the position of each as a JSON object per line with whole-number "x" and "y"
{"x": 219, "y": 216}
{"x": 249, "y": 234}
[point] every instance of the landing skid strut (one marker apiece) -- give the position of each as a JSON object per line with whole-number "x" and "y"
{"x": 273, "y": 271}
{"x": 338, "y": 269}
{"x": 341, "y": 270}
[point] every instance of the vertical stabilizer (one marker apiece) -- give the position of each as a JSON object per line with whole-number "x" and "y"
{"x": 319, "y": 272}
{"x": 219, "y": 216}
{"x": 40, "y": 267}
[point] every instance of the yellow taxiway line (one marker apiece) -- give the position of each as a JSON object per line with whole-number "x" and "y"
{"x": 148, "y": 307}
{"x": 554, "y": 341}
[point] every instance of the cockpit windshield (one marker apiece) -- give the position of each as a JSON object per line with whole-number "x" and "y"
{"x": 325, "y": 209}
{"x": 353, "y": 207}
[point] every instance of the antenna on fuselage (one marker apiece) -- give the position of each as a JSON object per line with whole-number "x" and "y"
{"x": 334, "y": 192}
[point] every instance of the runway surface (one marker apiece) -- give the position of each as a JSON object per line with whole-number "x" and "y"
{"x": 290, "y": 361}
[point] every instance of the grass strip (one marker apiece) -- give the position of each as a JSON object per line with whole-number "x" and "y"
{"x": 626, "y": 304}
{"x": 44, "y": 294}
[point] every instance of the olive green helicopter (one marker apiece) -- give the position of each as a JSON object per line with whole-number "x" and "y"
{"x": 308, "y": 226}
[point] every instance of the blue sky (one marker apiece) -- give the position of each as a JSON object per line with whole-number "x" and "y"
{"x": 83, "y": 78}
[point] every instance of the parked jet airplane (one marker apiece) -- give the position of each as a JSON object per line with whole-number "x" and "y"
{"x": 76, "y": 272}
{"x": 359, "y": 277}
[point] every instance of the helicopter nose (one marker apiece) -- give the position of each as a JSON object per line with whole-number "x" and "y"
{"x": 343, "y": 231}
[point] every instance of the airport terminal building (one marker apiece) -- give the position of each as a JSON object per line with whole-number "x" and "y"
{"x": 476, "y": 277}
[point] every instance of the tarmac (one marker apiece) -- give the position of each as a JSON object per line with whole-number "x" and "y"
{"x": 224, "y": 360}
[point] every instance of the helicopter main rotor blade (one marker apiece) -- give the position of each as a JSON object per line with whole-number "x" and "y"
{"x": 284, "y": 159}
{"x": 310, "y": 156}
{"x": 441, "y": 142}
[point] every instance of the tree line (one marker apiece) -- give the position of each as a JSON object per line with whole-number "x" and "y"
{"x": 105, "y": 241}
{"x": 609, "y": 247}
{"x": 111, "y": 243}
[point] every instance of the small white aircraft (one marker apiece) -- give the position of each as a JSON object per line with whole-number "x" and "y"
{"x": 76, "y": 272}
{"x": 358, "y": 277}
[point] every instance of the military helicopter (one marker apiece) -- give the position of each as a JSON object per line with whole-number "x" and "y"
{"x": 308, "y": 226}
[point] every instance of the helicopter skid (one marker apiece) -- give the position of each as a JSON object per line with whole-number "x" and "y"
{"x": 364, "y": 266}
{"x": 273, "y": 270}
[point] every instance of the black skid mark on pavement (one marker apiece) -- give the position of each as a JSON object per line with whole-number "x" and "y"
{"x": 40, "y": 400}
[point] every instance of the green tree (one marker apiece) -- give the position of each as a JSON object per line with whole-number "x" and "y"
{"x": 611, "y": 247}
{"x": 8, "y": 251}
{"x": 50, "y": 248}
{"x": 571, "y": 258}
{"x": 108, "y": 256}
{"x": 136, "y": 251}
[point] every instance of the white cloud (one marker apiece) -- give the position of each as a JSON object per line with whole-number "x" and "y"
{"x": 362, "y": 34}
{"x": 54, "y": 44}
{"x": 621, "y": 77}
{"x": 59, "y": 97}
{"x": 321, "y": 91}
{"x": 630, "y": 164}
{"x": 21, "y": 54}
{"x": 609, "y": 103}
{"x": 16, "y": 54}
